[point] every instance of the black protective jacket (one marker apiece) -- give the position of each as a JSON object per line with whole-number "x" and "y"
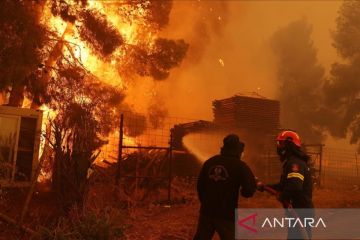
{"x": 220, "y": 180}
{"x": 295, "y": 183}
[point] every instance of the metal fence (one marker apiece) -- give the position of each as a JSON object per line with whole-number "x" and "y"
{"x": 331, "y": 167}
{"x": 340, "y": 168}
{"x": 150, "y": 163}
{"x": 143, "y": 153}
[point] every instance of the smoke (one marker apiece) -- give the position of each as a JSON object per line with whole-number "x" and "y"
{"x": 209, "y": 23}
{"x": 230, "y": 49}
{"x": 312, "y": 103}
{"x": 157, "y": 112}
{"x": 202, "y": 29}
{"x": 245, "y": 47}
{"x": 300, "y": 78}
{"x": 235, "y": 54}
{"x": 204, "y": 24}
{"x": 342, "y": 103}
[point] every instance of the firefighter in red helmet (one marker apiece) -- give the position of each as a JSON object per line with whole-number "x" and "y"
{"x": 295, "y": 185}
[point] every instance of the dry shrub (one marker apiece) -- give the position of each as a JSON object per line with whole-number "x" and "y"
{"x": 78, "y": 130}
{"x": 100, "y": 224}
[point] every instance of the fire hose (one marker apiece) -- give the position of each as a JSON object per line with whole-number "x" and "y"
{"x": 287, "y": 205}
{"x": 275, "y": 193}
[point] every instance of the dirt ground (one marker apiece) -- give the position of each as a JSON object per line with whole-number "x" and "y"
{"x": 178, "y": 222}
{"x": 175, "y": 222}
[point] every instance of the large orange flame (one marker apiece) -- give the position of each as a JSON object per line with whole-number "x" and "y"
{"x": 104, "y": 70}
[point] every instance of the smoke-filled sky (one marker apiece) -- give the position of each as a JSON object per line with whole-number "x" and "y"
{"x": 230, "y": 49}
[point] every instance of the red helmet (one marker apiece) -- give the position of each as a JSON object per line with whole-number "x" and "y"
{"x": 289, "y": 135}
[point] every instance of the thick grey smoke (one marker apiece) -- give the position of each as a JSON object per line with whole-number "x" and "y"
{"x": 300, "y": 79}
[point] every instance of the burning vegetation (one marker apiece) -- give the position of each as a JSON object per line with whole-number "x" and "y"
{"x": 75, "y": 60}
{"x": 81, "y": 61}
{"x": 43, "y": 39}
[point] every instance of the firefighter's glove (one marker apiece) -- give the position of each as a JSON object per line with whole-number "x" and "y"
{"x": 260, "y": 186}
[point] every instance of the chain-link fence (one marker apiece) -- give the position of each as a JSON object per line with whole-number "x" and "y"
{"x": 330, "y": 167}
{"x": 160, "y": 160}
{"x": 148, "y": 166}
{"x": 340, "y": 168}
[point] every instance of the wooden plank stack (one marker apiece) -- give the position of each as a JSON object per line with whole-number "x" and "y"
{"x": 247, "y": 113}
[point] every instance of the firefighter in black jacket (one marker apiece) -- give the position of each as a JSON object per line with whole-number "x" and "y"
{"x": 295, "y": 186}
{"x": 220, "y": 180}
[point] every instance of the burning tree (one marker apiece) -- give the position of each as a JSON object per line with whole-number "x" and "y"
{"x": 121, "y": 36}
{"x": 75, "y": 58}
{"x": 155, "y": 62}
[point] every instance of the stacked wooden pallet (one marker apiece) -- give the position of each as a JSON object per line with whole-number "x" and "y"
{"x": 244, "y": 112}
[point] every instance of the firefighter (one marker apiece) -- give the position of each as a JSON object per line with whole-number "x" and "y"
{"x": 295, "y": 186}
{"x": 218, "y": 186}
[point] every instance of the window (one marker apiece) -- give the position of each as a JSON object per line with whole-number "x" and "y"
{"x": 8, "y": 145}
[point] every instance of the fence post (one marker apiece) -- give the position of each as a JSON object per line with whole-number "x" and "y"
{"x": 119, "y": 159}
{"x": 170, "y": 166}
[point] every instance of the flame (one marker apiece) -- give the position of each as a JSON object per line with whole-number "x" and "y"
{"x": 104, "y": 69}
{"x": 110, "y": 151}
